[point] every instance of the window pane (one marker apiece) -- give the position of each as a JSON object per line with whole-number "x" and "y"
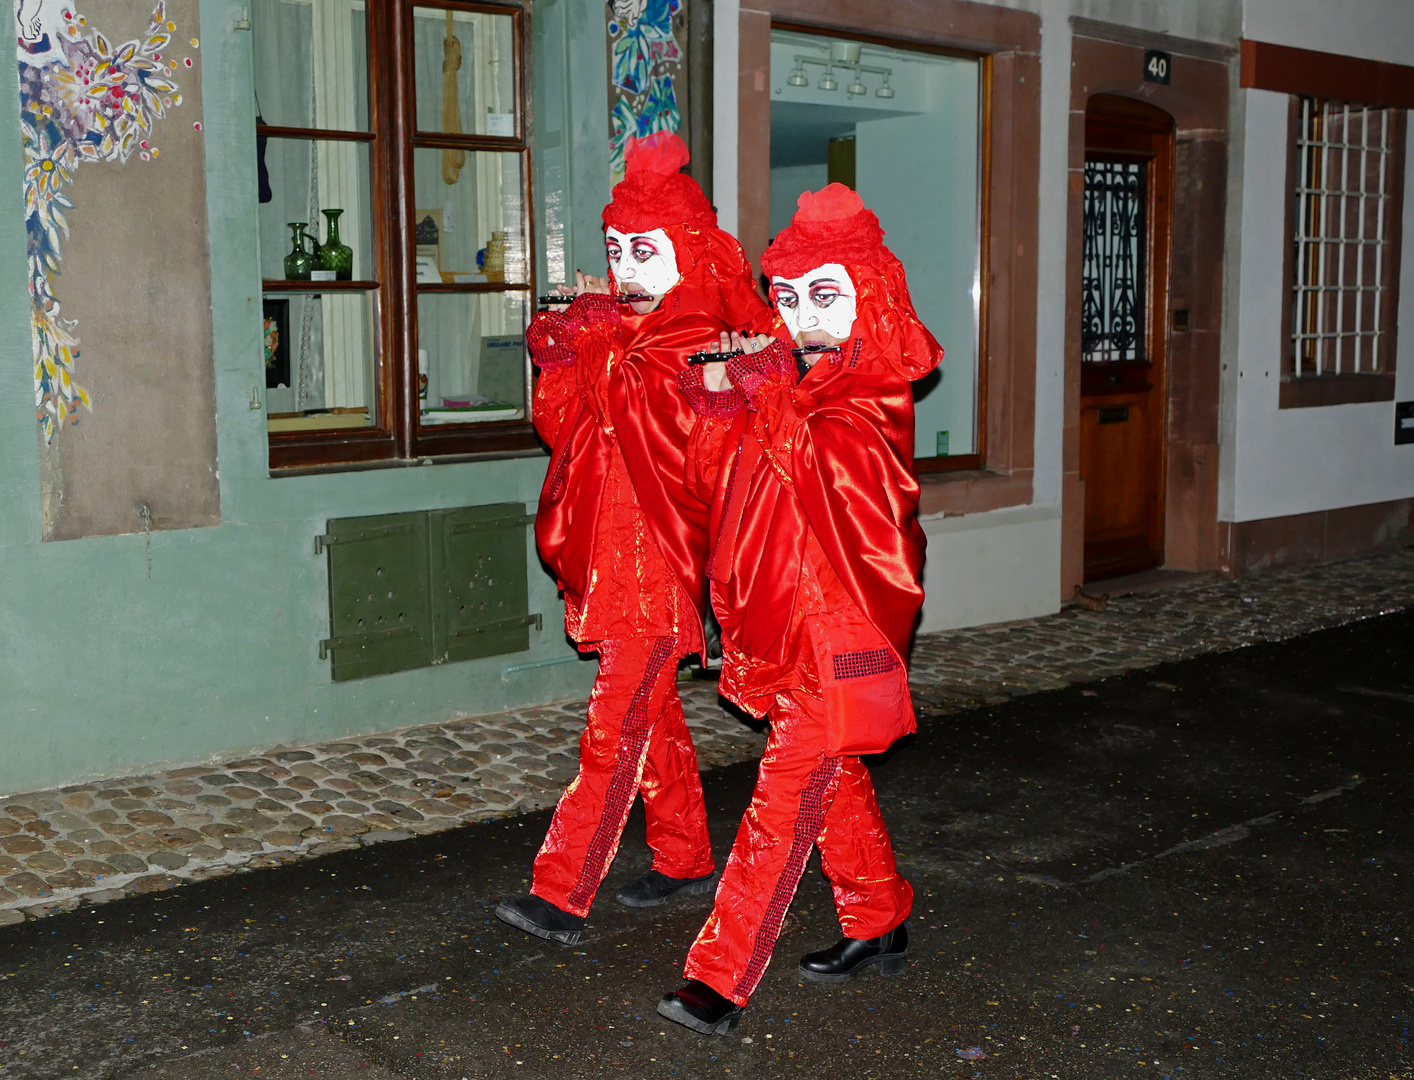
{"x": 901, "y": 128}
{"x": 472, "y": 229}
{"x": 311, "y": 63}
{"x": 464, "y": 65}
{"x": 471, "y": 349}
{"x": 306, "y": 178}
{"x": 319, "y": 361}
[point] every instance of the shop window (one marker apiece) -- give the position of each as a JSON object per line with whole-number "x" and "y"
{"x": 1345, "y": 182}
{"x": 394, "y": 228}
{"x": 906, "y": 129}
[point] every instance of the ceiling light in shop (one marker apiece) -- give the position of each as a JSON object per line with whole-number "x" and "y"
{"x": 798, "y": 76}
{"x": 856, "y": 88}
{"x": 828, "y": 81}
{"x": 886, "y": 91}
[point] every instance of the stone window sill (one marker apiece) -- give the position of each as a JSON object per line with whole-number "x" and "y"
{"x": 1318, "y": 390}
{"x": 972, "y": 491}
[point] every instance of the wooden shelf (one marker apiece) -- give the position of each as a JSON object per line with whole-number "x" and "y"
{"x": 472, "y": 286}
{"x": 276, "y": 131}
{"x": 269, "y": 285}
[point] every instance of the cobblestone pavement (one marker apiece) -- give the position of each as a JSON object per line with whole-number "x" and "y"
{"x": 100, "y": 841}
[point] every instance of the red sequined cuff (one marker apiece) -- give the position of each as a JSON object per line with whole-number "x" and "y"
{"x": 751, "y": 371}
{"x": 715, "y": 404}
{"x": 546, "y": 338}
{"x": 563, "y": 326}
{"x": 589, "y": 308}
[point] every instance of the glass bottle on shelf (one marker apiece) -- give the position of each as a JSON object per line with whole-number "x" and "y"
{"x": 334, "y": 254}
{"x": 299, "y": 262}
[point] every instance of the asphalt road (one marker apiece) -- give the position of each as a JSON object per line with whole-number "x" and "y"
{"x": 1200, "y": 870}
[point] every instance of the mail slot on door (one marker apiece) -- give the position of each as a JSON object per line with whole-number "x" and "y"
{"x": 1114, "y": 414}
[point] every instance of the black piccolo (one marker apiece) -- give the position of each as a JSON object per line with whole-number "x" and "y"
{"x": 714, "y": 357}
{"x": 618, "y": 298}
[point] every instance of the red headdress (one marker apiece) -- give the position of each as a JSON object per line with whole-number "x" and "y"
{"x": 654, "y": 194}
{"x": 833, "y": 226}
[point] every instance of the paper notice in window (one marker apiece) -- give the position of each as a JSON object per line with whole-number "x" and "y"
{"x": 427, "y": 272}
{"x": 501, "y": 123}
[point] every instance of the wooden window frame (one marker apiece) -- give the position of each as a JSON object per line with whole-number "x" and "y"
{"x": 978, "y": 458}
{"x": 1305, "y": 73}
{"x": 397, "y": 437}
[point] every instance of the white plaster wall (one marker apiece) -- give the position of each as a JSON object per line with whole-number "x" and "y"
{"x": 1296, "y": 461}
{"x": 1372, "y": 29}
{"x": 993, "y": 567}
{"x": 726, "y": 68}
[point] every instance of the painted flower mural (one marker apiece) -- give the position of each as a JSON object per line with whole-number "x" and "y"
{"x": 82, "y": 99}
{"x": 644, "y": 60}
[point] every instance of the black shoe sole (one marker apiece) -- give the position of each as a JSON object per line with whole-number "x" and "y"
{"x": 511, "y": 916}
{"x": 676, "y": 1012}
{"x": 889, "y": 964}
{"x": 695, "y": 888}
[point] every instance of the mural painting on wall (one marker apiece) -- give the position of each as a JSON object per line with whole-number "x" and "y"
{"x": 647, "y": 71}
{"x": 83, "y": 98}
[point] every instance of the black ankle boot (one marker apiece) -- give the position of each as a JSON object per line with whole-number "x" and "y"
{"x": 541, "y": 918}
{"x": 654, "y": 888}
{"x": 699, "y": 1007}
{"x": 852, "y": 955}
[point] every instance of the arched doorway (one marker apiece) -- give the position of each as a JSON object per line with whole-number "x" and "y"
{"x": 1124, "y": 333}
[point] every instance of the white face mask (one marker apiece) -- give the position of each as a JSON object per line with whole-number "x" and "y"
{"x": 642, "y": 261}
{"x": 822, "y": 300}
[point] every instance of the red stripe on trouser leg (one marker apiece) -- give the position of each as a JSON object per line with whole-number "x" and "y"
{"x": 796, "y": 791}
{"x": 671, "y": 786}
{"x": 856, "y": 855}
{"x": 636, "y": 681}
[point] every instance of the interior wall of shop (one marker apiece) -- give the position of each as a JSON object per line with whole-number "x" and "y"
{"x": 120, "y": 653}
{"x": 1285, "y": 462}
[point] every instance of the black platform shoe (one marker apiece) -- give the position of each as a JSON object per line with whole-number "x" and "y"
{"x": 541, "y": 918}
{"x": 654, "y": 888}
{"x": 847, "y": 959}
{"x": 701, "y": 1008}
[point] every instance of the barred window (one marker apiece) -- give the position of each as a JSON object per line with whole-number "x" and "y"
{"x": 1342, "y": 303}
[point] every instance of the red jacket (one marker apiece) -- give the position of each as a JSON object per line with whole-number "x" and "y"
{"x": 607, "y": 399}
{"x": 820, "y": 465}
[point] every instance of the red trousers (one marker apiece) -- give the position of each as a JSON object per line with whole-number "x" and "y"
{"x": 803, "y": 799}
{"x": 636, "y": 742}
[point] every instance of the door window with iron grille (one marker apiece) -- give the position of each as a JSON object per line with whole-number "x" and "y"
{"x": 1113, "y": 279}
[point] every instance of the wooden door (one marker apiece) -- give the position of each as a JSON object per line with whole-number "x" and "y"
{"x": 1124, "y": 333}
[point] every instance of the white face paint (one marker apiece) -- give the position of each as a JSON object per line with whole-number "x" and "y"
{"x": 642, "y": 262}
{"x": 820, "y": 304}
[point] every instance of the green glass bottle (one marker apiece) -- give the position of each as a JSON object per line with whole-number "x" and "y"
{"x": 299, "y": 262}
{"x": 335, "y": 255}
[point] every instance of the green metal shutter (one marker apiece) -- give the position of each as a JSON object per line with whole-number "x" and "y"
{"x": 379, "y": 608}
{"x": 480, "y": 598}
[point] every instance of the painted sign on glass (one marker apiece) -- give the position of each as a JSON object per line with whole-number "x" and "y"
{"x": 83, "y": 98}
{"x": 647, "y": 71}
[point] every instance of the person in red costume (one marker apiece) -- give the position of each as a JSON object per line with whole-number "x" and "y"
{"x": 623, "y": 534}
{"x": 814, "y": 576}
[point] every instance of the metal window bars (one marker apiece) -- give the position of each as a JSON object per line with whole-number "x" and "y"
{"x": 1342, "y": 193}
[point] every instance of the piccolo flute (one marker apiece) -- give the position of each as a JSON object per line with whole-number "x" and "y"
{"x": 618, "y": 298}
{"x": 714, "y": 357}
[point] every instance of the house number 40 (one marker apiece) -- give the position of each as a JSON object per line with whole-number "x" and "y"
{"x": 1157, "y": 66}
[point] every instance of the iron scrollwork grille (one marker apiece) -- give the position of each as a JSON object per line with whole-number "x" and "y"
{"x": 1112, "y": 306}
